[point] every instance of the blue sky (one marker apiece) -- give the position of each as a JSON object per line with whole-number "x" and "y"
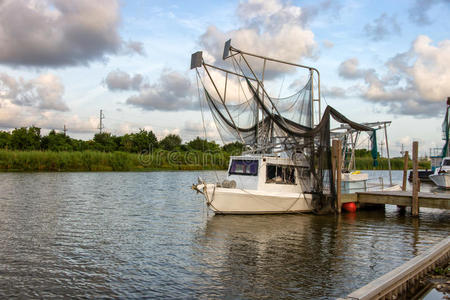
{"x": 63, "y": 61}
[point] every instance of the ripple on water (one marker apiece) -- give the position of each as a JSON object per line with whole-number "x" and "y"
{"x": 135, "y": 235}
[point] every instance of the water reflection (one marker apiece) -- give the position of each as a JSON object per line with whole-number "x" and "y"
{"x": 145, "y": 235}
{"x": 308, "y": 256}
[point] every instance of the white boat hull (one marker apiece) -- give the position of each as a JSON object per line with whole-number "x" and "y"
{"x": 242, "y": 201}
{"x": 441, "y": 180}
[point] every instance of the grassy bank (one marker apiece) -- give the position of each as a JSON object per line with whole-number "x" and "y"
{"x": 366, "y": 163}
{"x": 30, "y": 161}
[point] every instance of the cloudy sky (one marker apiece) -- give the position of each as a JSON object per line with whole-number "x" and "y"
{"x": 62, "y": 61}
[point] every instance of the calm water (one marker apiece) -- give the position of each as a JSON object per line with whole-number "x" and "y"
{"x": 147, "y": 235}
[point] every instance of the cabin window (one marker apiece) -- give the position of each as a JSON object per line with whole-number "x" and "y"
{"x": 280, "y": 174}
{"x": 446, "y": 162}
{"x": 244, "y": 167}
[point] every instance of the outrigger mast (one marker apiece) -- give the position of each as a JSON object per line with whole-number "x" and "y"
{"x": 263, "y": 140}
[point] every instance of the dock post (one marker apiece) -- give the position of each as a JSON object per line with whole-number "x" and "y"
{"x": 405, "y": 170}
{"x": 415, "y": 192}
{"x": 337, "y": 159}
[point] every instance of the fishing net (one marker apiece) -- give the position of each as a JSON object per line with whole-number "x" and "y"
{"x": 269, "y": 124}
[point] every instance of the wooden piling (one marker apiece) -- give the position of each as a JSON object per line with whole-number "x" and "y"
{"x": 405, "y": 170}
{"x": 416, "y": 182}
{"x": 337, "y": 166}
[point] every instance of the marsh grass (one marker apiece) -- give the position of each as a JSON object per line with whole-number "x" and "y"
{"x": 366, "y": 163}
{"x": 35, "y": 161}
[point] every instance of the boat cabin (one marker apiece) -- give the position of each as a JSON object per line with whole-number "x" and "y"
{"x": 274, "y": 173}
{"x": 445, "y": 165}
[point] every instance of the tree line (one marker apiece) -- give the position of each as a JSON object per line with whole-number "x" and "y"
{"x": 30, "y": 138}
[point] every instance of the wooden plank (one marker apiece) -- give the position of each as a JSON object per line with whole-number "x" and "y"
{"x": 345, "y": 198}
{"x": 430, "y": 200}
{"x": 336, "y": 162}
{"x": 339, "y": 174}
{"x": 394, "y": 281}
{"x": 405, "y": 170}
{"x": 416, "y": 182}
{"x": 408, "y": 194}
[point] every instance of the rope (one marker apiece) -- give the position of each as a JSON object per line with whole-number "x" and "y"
{"x": 203, "y": 117}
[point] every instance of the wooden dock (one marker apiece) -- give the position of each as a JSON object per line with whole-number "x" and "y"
{"x": 399, "y": 283}
{"x": 429, "y": 200}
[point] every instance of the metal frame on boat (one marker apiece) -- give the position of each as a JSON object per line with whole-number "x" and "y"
{"x": 286, "y": 167}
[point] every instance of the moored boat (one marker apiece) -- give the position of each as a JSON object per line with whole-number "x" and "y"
{"x": 259, "y": 184}
{"x": 286, "y": 166}
{"x": 441, "y": 175}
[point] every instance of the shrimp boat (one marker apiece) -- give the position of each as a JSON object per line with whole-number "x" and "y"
{"x": 286, "y": 166}
{"x": 441, "y": 163}
{"x": 353, "y": 180}
{"x": 441, "y": 176}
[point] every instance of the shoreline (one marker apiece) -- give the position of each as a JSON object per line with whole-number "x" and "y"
{"x": 157, "y": 160}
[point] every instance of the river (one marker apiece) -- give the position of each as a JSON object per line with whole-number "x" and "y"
{"x": 147, "y": 235}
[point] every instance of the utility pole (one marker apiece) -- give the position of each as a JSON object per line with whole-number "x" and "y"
{"x": 101, "y": 126}
{"x": 65, "y": 129}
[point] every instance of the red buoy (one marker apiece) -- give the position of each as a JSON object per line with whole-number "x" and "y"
{"x": 349, "y": 206}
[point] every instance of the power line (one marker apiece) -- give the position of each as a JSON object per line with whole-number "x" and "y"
{"x": 101, "y": 117}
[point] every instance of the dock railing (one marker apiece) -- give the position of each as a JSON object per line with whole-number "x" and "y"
{"x": 405, "y": 278}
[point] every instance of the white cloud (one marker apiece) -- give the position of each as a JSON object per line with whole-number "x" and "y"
{"x": 44, "y": 92}
{"x": 414, "y": 82}
{"x": 382, "y": 27}
{"x": 349, "y": 69}
{"x": 430, "y": 71}
{"x": 15, "y": 116}
{"x": 60, "y": 32}
{"x": 121, "y": 81}
{"x": 273, "y": 28}
{"x": 193, "y": 129}
{"x": 328, "y": 44}
{"x": 165, "y": 132}
{"x": 173, "y": 91}
{"x": 333, "y": 92}
{"x": 418, "y": 12}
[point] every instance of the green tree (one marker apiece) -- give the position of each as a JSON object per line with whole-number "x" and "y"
{"x": 5, "y": 140}
{"x": 126, "y": 143}
{"x": 80, "y": 145}
{"x": 202, "y": 145}
{"x": 56, "y": 142}
{"x": 104, "y": 142}
{"x": 144, "y": 140}
{"x": 235, "y": 148}
{"x": 170, "y": 142}
{"x": 26, "y": 139}
{"x": 362, "y": 153}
